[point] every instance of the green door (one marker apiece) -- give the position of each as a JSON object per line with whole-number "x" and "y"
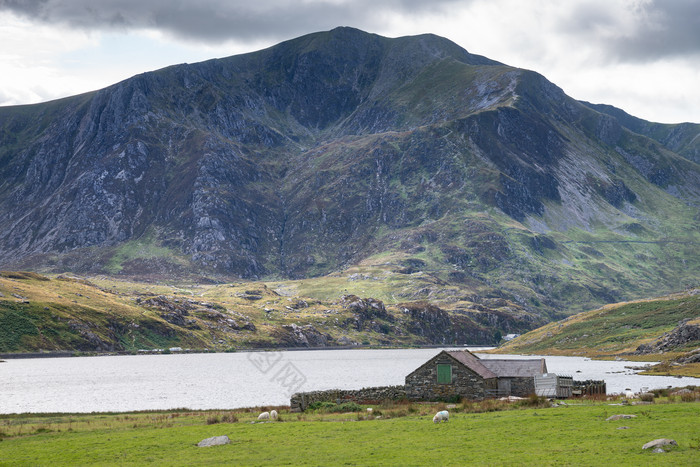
{"x": 444, "y": 373}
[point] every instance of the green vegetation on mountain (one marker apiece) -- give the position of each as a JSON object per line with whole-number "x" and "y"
{"x": 665, "y": 328}
{"x": 66, "y": 313}
{"x": 447, "y": 177}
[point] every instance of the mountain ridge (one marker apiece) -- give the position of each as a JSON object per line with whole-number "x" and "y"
{"x": 344, "y": 147}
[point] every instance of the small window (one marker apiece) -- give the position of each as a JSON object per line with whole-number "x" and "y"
{"x": 444, "y": 373}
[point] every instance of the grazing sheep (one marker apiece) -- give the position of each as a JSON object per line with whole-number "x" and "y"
{"x": 628, "y": 393}
{"x": 273, "y": 415}
{"x": 264, "y": 416}
{"x": 441, "y": 416}
{"x": 369, "y": 410}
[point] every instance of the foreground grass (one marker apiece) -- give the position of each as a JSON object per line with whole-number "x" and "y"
{"x": 573, "y": 434}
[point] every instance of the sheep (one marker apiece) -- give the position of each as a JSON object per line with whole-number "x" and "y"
{"x": 273, "y": 415}
{"x": 441, "y": 416}
{"x": 628, "y": 393}
{"x": 264, "y": 416}
{"x": 369, "y": 410}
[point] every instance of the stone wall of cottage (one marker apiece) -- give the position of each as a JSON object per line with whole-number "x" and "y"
{"x": 301, "y": 400}
{"x": 423, "y": 385}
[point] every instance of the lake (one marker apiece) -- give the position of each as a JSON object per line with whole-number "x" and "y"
{"x": 245, "y": 379}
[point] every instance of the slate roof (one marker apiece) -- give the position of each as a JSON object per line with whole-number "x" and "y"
{"x": 515, "y": 368}
{"x": 472, "y": 362}
{"x": 487, "y": 368}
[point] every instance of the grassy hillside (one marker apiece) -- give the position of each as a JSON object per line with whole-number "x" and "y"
{"x": 576, "y": 434}
{"x": 620, "y": 329}
{"x": 53, "y": 313}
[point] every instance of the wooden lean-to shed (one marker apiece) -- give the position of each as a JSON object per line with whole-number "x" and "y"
{"x": 461, "y": 374}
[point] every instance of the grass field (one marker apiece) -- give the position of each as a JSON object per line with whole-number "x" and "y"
{"x": 574, "y": 434}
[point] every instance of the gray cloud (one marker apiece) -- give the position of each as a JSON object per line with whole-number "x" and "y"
{"x": 658, "y": 29}
{"x": 218, "y": 20}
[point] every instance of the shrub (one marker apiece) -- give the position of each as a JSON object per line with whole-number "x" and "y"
{"x": 322, "y": 405}
{"x": 533, "y": 400}
{"x": 646, "y": 397}
{"x": 347, "y": 407}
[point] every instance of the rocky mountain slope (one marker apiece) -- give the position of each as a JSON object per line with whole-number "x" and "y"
{"x": 344, "y": 148}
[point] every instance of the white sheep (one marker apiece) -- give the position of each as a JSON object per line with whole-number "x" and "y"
{"x": 273, "y": 415}
{"x": 628, "y": 393}
{"x": 441, "y": 416}
{"x": 264, "y": 416}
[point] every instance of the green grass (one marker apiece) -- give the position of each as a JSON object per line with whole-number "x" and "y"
{"x": 568, "y": 435}
{"x": 612, "y": 330}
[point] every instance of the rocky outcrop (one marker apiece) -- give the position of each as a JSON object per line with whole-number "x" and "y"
{"x": 365, "y": 311}
{"x": 294, "y": 335}
{"x": 680, "y": 336}
{"x": 437, "y": 326}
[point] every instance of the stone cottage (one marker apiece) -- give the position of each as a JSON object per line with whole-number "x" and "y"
{"x": 457, "y": 374}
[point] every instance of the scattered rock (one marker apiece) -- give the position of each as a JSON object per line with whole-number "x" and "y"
{"x": 214, "y": 441}
{"x": 681, "y": 335}
{"x": 622, "y": 428}
{"x": 619, "y": 417}
{"x": 658, "y": 443}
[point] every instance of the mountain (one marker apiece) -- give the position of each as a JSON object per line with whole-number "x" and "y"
{"x": 682, "y": 138}
{"x": 345, "y": 149}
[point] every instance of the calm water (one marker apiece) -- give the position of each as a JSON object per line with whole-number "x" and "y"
{"x": 224, "y": 381}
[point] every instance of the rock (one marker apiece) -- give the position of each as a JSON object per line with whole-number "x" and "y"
{"x": 619, "y": 417}
{"x": 622, "y": 428}
{"x": 293, "y": 335}
{"x": 658, "y": 450}
{"x": 681, "y": 335}
{"x": 214, "y": 441}
{"x": 658, "y": 443}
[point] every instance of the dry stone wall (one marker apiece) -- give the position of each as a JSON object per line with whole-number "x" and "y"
{"x": 301, "y": 400}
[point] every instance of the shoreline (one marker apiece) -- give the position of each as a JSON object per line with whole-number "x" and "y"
{"x": 79, "y": 353}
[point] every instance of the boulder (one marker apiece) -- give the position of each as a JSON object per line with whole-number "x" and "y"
{"x": 658, "y": 443}
{"x": 619, "y": 417}
{"x": 214, "y": 441}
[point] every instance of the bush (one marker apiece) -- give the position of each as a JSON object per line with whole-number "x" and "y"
{"x": 533, "y": 400}
{"x": 646, "y": 397}
{"x": 322, "y": 405}
{"x": 347, "y": 407}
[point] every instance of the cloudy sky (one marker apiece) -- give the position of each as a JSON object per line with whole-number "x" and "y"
{"x": 639, "y": 55}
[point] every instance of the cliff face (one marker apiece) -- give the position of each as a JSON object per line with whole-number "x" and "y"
{"x": 336, "y": 147}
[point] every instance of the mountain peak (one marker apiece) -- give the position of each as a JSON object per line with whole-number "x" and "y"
{"x": 342, "y": 147}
